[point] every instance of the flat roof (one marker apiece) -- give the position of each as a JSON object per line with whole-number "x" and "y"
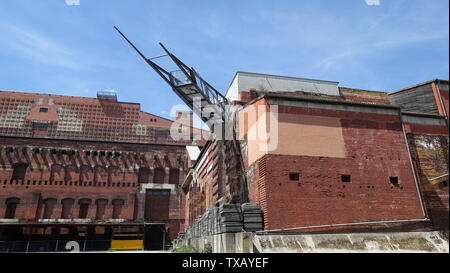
{"x": 278, "y": 76}
{"x": 417, "y": 85}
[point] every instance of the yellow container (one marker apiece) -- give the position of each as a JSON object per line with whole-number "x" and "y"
{"x": 127, "y": 245}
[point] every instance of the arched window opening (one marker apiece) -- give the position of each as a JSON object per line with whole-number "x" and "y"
{"x": 84, "y": 208}
{"x": 67, "y": 205}
{"x": 117, "y": 208}
{"x": 49, "y": 205}
{"x": 101, "y": 208}
{"x": 11, "y": 205}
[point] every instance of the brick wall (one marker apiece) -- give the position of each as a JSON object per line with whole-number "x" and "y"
{"x": 375, "y": 151}
{"x": 429, "y": 151}
{"x": 83, "y": 170}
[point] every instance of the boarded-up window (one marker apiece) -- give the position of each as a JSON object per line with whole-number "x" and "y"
{"x": 67, "y": 205}
{"x": 157, "y": 205}
{"x": 143, "y": 175}
{"x": 117, "y": 208}
{"x": 101, "y": 208}
{"x": 49, "y": 207}
{"x": 174, "y": 176}
{"x": 11, "y": 205}
{"x": 159, "y": 176}
{"x": 84, "y": 208}
{"x": 19, "y": 171}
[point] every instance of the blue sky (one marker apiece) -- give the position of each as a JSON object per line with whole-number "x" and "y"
{"x": 50, "y": 47}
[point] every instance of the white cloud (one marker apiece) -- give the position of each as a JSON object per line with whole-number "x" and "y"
{"x": 73, "y": 2}
{"x": 31, "y": 44}
{"x": 373, "y": 2}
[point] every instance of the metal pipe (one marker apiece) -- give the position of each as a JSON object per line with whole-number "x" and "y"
{"x": 435, "y": 178}
{"x": 152, "y": 58}
{"x": 440, "y": 99}
{"x": 412, "y": 165}
{"x": 348, "y": 224}
{"x": 135, "y": 48}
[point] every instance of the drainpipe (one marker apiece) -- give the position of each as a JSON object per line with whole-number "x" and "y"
{"x": 348, "y": 224}
{"x": 437, "y": 82}
{"x": 412, "y": 165}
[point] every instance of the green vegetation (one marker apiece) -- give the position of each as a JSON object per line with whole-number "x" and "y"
{"x": 191, "y": 249}
{"x": 208, "y": 248}
{"x": 185, "y": 249}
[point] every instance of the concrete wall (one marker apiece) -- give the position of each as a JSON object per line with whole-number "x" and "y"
{"x": 401, "y": 242}
{"x": 244, "y": 81}
{"x": 353, "y": 242}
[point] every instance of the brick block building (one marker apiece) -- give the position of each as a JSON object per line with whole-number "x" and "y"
{"x": 344, "y": 159}
{"x": 92, "y": 170}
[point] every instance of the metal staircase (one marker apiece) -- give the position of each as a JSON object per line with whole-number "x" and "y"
{"x": 190, "y": 87}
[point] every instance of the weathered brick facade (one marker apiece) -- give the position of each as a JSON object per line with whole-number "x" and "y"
{"x": 67, "y": 158}
{"x": 428, "y": 142}
{"x": 349, "y": 159}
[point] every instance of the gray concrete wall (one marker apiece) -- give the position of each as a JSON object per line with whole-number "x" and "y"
{"x": 401, "y": 242}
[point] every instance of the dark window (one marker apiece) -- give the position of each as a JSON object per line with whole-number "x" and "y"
{"x": 43, "y": 110}
{"x": 158, "y": 176}
{"x": 84, "y": 208}
{"x": 19, "y": 171}
{"x": 143, "y": 175}
{"x": 40, "y": 125}
{"x": 162, "y": 132}
{"x": 393, "y": 180}
{"x": 294, "y": 176}
{"x": 174, "y": 176}
{"x": 11, "y": 204}
{"x": 346, "y": 178}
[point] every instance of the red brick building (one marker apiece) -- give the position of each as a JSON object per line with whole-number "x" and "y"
{"x": 345, "y": 159}
{"x": 92, "y": 170}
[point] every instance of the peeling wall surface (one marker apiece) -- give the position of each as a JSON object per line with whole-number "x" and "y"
{"x": 430, "y": 157}
{"x": 401, "y": 242}
{"x": 410, "y": 242}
